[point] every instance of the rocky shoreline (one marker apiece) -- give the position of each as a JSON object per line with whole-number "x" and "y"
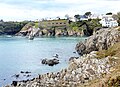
{"x": 100, "y": 40}
{"x": 80, "y": 70}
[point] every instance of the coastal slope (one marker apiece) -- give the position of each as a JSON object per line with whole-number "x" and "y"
{"x": 100, "y": 40}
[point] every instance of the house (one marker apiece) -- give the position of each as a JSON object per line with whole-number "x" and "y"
{"x": 108, "y": 21}
{"x": 72, "y": 19}
{"x": 83, "y": 17}
{"x": 53, "y": 23}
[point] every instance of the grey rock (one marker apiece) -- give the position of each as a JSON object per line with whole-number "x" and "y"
{"x": 50, "y": 62}
{"x": 101, "y": 40}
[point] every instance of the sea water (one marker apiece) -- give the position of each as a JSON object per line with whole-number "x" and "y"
{"x": 20, "y": 54}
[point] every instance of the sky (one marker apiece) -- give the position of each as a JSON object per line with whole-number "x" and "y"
{"x": 20, "y": 10}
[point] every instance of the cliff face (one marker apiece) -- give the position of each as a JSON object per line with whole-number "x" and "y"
{"x": 81, "y": 28}
{"x": 53, "y": 32}
{"x": 101, "y": 40}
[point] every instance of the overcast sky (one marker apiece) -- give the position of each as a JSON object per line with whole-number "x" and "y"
{"x": 16, "y": 10}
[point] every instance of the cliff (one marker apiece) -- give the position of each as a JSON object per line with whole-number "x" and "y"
{"x": 61, "y": 28}
{"x": 101, "y": 40}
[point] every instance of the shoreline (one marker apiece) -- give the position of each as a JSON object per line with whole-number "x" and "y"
{"x": 98, "y": 60}
{"x": 79, "y": 71}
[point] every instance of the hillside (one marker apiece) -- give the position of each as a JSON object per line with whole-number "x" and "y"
{"x": 11, "y": 28}
{"x": 62, "y": 28}
{"x": 111, "y": 79}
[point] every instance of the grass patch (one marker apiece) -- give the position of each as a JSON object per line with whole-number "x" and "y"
{"x": 36, "y": 24}
{"x": 112, "y": 51}
{"x": 118, "y": 29}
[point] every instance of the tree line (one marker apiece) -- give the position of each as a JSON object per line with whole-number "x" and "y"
{"x": 11, "y": 28}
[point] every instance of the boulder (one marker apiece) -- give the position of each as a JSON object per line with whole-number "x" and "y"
{"x": 72, "y": 58}
{"x": 50, "y": 62}
{"x": 14, "y": 83}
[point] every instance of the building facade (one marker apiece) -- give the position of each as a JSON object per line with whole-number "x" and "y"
{"x": 108, "y": 21}
{"x": 53, "y": 23}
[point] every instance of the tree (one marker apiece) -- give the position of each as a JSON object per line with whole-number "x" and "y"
{"x": 88, "y": 14}
{"x": 58, "y": 17}
{"x": 11, "y": 27}
{"x": 77, "y": 17}
{"x": 117, "y": 17}
{"x": 110, "y": 13}
{"x": 1, "y": 20}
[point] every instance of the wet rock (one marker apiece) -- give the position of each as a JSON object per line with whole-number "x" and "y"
{"x": 14, "y": 83}
{"x": 16, "y": 75}
{"x": 27, "y": 72}
{"x": 50, "y": 62}
{"x": 74, "y": 52}
{"x": 71, "y": 58}
{"x": 21, "y": 71}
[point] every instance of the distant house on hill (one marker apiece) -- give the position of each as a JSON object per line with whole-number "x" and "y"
{"x": 108, "y": 21}
{"x": 53, "y": 23}
{"x": 78, "y": 18}
{"x": 83, "y": 17}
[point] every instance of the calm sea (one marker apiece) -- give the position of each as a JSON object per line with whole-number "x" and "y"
{"x": 20, "y": 54}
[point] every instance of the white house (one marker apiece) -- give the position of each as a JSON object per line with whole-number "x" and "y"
{"x": 83, "y": 17}
{"x": 72, "y": 19}
{"x": 108, "y": 21}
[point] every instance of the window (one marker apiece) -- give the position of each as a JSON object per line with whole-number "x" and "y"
{"x": 60, "y": 23}
{"x": 56, "y": 23}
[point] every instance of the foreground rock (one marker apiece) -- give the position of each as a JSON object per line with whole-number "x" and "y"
{"x": 101, "y": 40}
{"x": 81, "y": 70}
{"x": 50, "y": 62}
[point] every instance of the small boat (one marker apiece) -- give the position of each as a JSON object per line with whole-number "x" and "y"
{"x": 31, "y": 37}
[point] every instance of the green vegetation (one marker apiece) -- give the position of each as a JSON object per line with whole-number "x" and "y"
{"x": 87, "y": 25}
{"x": 111, "y": 79}
{"x": 28, "y": 25}
{"x": 88, "y": 14}
{"x": 117, "y": 17}
{"x": 11, "y": 27}
{"x": 109, "y": 13}
{"x": 36, "y": 24}
{"x": 112, "y": 51}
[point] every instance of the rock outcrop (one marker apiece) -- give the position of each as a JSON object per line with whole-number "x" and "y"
{"x": 101, "y": 40}
{"x": 50, "y": 62}
{"x": 52, "y": 32}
